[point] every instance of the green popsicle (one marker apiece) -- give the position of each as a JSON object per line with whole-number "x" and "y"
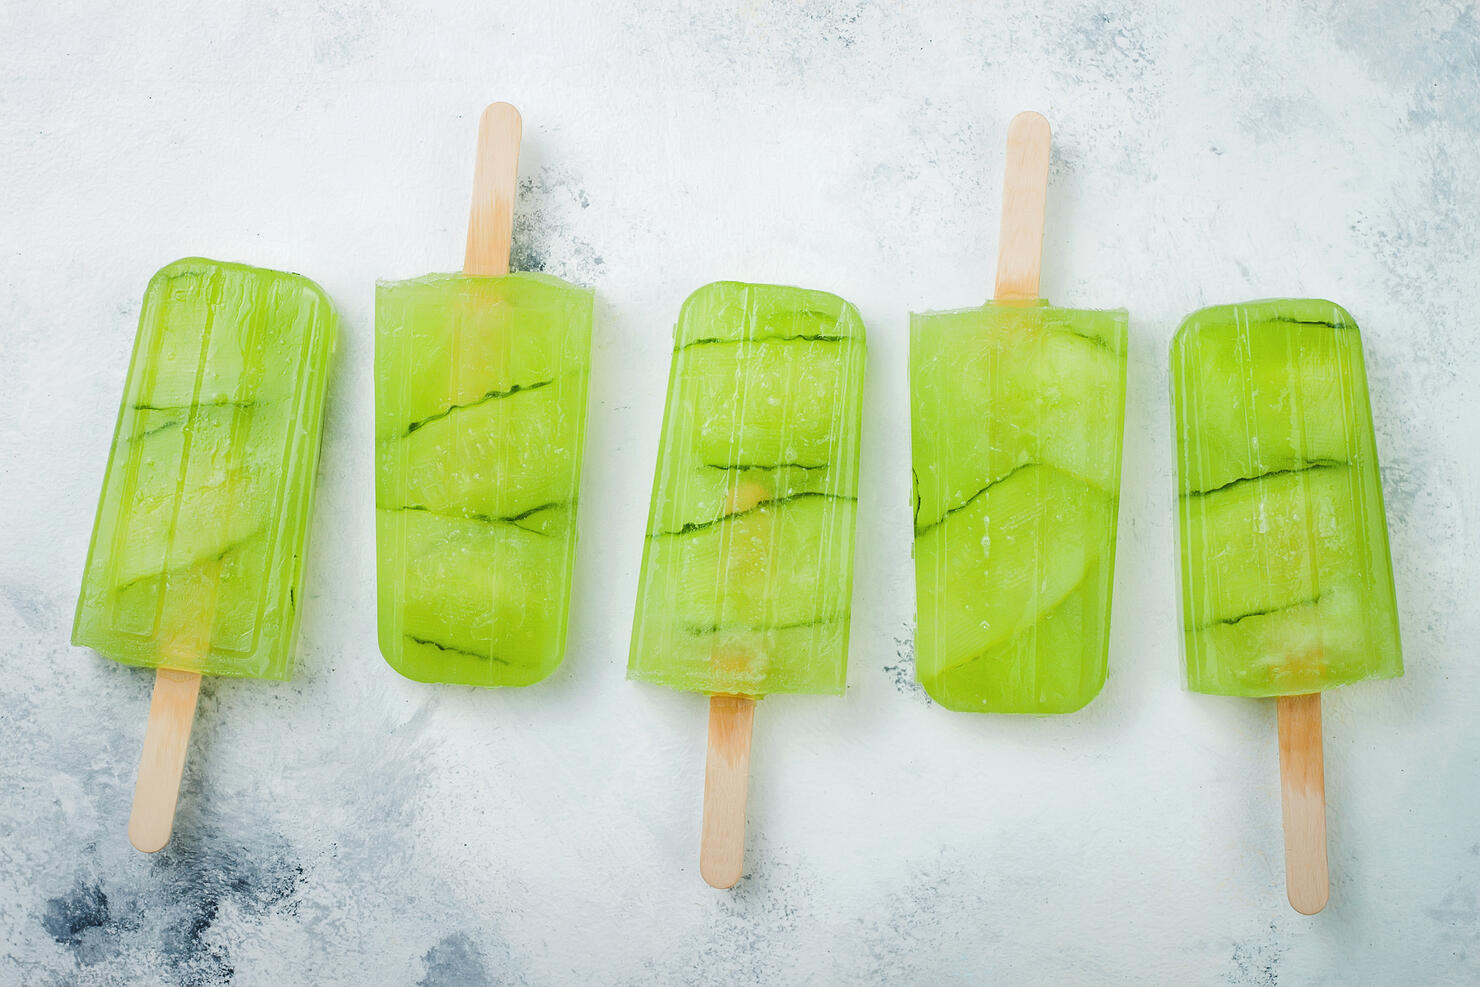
{"x": 747, "y": 571}
{"x": 1287, "y": 587}
{"x": 196, "y": 560}
{"x": 1017, "y": 413}
{"x": 480, "y": 397}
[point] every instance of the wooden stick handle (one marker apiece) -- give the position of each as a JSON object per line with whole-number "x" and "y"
{"x": 726, "y": 777}
{"x": 495, "y": 183}
{"x": 1024, "y": 199}
{"x": 171, "y": 713}
{"x": 1303, "y": 792}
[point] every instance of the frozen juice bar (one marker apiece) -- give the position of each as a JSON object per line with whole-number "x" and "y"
{"x": 480, "y": 415}
{"x": 747, "y": 571}
{"x": 1286, "y": 583}
{"x": 197, "y": 554}
{"x": 1017, "y": 413}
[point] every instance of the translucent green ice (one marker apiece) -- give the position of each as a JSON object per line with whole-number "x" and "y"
{"x": 1017, "y": 413}
{"x": 748, "y": 568}
{"x": 1286, "y": 583}
{"x": 480, "y": 419}
{"x": 196, "y": 560}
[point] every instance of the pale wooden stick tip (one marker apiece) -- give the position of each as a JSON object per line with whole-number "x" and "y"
{"x": 1309, "y": 904}
{"x": 721, "y": 875}
{"x": 149, "y": 839}
{"x": 502, "y": 113}
{"x": 1031, "y": 121}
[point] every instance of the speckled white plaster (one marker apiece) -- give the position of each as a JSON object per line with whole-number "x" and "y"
{"x": 352, "y": 827}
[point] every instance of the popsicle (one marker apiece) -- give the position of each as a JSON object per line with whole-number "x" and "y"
{"x": 1017, "y": 414}
{"x": 480, "y": 414}
{"x": 747, "y": 569}
{"x": 1287, "y": 587}
{"x": 196, "y": 561}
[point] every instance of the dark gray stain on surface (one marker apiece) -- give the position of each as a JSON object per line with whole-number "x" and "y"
{"x": 1458, "y": 917}
{"x": 1256, "y": 960}
{"x": 544, "y": 236}
{"x": 79, "y": 921}
{"x": 175, "y": 914}
{"x": 454, "y": 961}
{"x": 901, "y": 670}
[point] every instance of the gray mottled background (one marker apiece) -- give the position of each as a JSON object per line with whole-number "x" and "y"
{"x": 351, "y": 827}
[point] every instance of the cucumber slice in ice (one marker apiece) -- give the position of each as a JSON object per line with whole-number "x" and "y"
{"x": 999, "y": 387}
{"x": 223, "y": 589}
{"x": 767, "y": 403}
{"x": 699, "y": 494}
{"x": 457, "y": 341}
{"x": 993, "y": 569}
{"x": 760, "y": 568}
{"x": 472, "y": 602}
{"x": 205, "y": 480}
{"x": 1275, "y": 387}
{"x": 1308, "y": 647}
{"x": 498, "y": 458}
{"x": 1272, "y": 542}
{"x": 1056, "y": 665}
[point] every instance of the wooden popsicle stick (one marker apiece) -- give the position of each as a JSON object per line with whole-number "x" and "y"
{"x": 166, "y": 737}
{"x": 727, "y": 765}
{"x": 726, "y": 780}
{"x": 495, "y": 184}
{"x": 185, "y": 638}
{"x": 1303, "y": 795}
{"x": 1024, "y": 200}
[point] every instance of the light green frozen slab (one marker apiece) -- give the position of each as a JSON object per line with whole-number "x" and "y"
{"x": 196, "y": 559}
{"x": 748, "y": 567}
{"x": 1017, "y": 415}
{"x": 1287, "y": 587}
{"x": 480, "y": 419}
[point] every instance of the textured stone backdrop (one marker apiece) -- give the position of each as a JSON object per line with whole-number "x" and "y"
{"x": 352, "y": 827}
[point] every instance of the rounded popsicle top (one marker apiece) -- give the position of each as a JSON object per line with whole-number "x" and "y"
{"x": 1296, "y": 311}
{"x": 199, "y": 267}
{"x": 735, "y": 310}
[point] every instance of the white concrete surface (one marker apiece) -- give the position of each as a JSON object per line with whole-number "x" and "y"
{"x": 352, "y": 827}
